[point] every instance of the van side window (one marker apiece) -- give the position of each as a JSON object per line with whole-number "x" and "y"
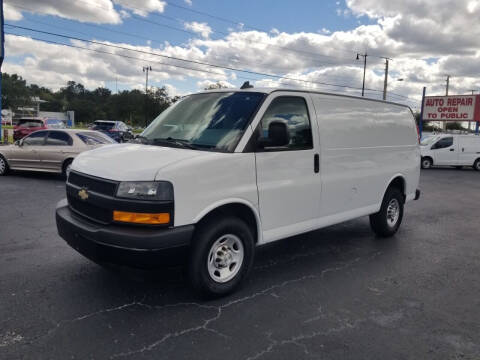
{"x": 443, "y": 143}
{"x": 292, "y": 111}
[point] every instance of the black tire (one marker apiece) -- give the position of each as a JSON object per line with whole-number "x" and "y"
{"x": 476, "y": 165}
{"x": 206, "y": 236}
{"x": 3, "y": 166}
{"x": 382, "y": 223}
{"x": 65, "y": 166}
{"x": 427, "y": 163}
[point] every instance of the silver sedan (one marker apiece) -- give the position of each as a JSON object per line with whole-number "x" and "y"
{"x": 49, "y": 150}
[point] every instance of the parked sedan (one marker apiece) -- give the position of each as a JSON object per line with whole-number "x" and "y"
{"x": 117, "y": 130}
{"x": 49, "y": 150}
{"x": 27, "y": 126}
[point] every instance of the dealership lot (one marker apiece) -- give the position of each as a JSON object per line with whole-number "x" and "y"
{"x": 334, "y": 293}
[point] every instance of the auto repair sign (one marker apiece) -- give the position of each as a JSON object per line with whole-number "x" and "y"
{"x": 451, "y": 108}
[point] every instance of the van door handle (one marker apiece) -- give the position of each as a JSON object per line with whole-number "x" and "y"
{"x": 452, "y": 149}
{"x": 463, "y": 149}
{"x": 316, "y": 163}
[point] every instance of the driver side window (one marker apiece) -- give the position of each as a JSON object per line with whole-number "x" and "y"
{"x": 293, "y": 112}
{"x": 35, "y": 139}
{"x": 443, "y": 143}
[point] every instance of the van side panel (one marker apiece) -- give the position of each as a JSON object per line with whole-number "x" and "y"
{"x": 364, "y": 145}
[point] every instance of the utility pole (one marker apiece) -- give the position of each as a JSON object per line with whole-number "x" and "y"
{"x": 146, "y": 69}
{"x": 364, "y": 69}
{"x": 386, "y": 79}
{"x": 446, "y": 94}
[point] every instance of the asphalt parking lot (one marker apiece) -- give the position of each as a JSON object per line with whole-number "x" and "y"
{"x": 337, "y": 293}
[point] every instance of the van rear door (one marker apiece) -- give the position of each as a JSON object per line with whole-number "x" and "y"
{"x": 288, "y": 177}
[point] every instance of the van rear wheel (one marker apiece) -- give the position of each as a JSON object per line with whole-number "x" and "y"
{"x": 386, "y": 222}
{"x": 476, "y": 165}
{"x": 221, "y": 256}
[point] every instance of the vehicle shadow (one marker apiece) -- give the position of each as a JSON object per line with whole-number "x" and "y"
{"x": 277, "y": 262}
{"x": 35, "y": 175}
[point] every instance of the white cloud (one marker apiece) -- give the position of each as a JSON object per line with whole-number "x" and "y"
{"x": 406, "y": 31}
{"x": 200, "y": 28}
{"x": 96, "y": 11}
{"x": 142, "y": 7}
{"x": 10, "y": 13}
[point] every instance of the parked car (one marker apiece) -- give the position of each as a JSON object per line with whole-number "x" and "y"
{"x": 219, "y": 173}
{"x": 55, "y": 124}
{"x": 27, "y": 126}
{"x": 49, "y": 150}
{"x": 117, "y": 130}
{"x": 451, "y": 150}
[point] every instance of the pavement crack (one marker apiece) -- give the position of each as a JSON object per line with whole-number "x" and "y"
{"x": 205, "y": 325}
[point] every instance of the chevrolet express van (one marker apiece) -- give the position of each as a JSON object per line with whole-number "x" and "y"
{"x": 221, "y": 172}
{"x": 451, "y": 150}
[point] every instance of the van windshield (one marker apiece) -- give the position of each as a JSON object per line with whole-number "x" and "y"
{"x": 209, "y": 121}
{"x": 428, "y": 140}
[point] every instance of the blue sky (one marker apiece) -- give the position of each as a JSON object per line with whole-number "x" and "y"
{"x": 315, "y": 41}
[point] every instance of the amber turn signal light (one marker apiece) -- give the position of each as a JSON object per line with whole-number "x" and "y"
{"x": 141, "y": 218}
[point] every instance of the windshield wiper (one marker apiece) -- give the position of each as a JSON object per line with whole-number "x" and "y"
{"x": 181, "y": 143}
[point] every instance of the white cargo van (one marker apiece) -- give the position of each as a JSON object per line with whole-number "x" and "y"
{"x": 451, "y": 150}
{"x": 221, "y": 172}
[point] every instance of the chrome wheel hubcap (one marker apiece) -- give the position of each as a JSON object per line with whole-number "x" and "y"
{"x": 426, "y": 164}
{"x": 393, "y": 212}
{"x": 225, "y": 258}
{"x": 2, "y": 166}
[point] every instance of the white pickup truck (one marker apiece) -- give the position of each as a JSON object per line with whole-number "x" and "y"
{"x": 221, "y": 172}
{"x": 451, "y": 150}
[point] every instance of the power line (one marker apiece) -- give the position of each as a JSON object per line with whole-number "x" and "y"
{"x": 302, "y": 53}
{"x": 278, "y": 77}
{"x": 141, "y": 59}
{"x": 183, "y": 60}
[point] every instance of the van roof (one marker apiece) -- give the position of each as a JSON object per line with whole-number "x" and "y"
{"x": 266, "y": 90}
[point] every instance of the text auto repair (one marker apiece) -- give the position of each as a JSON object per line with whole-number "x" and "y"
{"x": 450, "y": 108}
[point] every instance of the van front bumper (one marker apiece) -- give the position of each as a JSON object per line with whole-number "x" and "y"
{"x": 135, "y": 246}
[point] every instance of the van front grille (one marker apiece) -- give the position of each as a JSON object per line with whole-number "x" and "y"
{"x": 89, "y": 210}
{"x": 98, "y": 185}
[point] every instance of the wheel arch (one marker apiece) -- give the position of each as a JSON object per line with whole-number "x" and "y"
{"x": 237, "y": 207}
{"x": 399, "y": 182}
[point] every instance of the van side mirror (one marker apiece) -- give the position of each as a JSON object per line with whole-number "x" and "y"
{"x": 18, "y": 142}
{"x": 277, "y": 135}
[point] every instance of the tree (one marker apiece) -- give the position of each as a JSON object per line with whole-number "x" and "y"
{"x": 15, "y": 92}
{"x": 127, "y": 106}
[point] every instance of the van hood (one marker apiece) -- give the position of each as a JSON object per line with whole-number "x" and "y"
{"x": 131, "y": 162}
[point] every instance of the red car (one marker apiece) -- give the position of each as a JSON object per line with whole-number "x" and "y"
{"x": 26, "y": 126}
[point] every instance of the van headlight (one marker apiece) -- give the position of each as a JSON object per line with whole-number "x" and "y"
{"x": 146, "y": 190}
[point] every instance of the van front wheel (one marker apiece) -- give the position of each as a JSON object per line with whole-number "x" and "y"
{"x": 221, "y": 256}
{"x": 386, "y": 222}
{"x": 426, "y": 163}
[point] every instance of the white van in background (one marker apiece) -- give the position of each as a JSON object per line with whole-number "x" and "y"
{"x": 221, "y": 172}
{"x": 451, "y": 150}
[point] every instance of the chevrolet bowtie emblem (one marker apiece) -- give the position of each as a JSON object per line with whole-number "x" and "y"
{"x": 83, "y": 194}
